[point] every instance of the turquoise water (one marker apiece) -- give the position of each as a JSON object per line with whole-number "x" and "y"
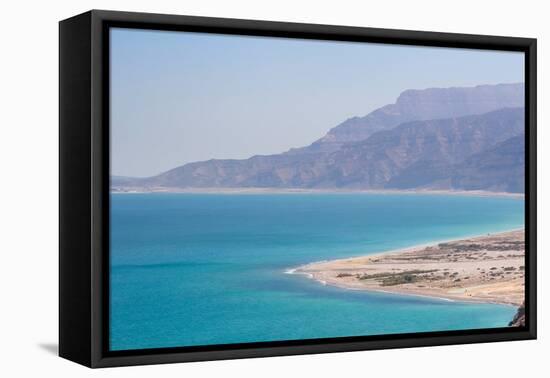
{"x": 200, "y": 269}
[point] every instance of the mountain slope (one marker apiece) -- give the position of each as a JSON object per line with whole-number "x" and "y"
{"x": 419, "y": 154}
{"x": 500, "y": 169}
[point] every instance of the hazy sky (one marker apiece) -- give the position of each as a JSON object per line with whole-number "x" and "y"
{"x": 178, "y": 97}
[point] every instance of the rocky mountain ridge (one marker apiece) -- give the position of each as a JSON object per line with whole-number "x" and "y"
{"x": 440, "y": 148}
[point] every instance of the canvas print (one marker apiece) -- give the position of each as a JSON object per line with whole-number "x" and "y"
{"x": 273, "y": 189}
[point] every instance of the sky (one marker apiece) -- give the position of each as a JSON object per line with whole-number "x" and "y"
{"x": 179, "y": 97}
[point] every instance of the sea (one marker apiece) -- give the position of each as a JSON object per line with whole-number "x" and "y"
{"x": 204, "y": 269}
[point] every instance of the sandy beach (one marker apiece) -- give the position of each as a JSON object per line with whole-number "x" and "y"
{"x": 488, "y": 268}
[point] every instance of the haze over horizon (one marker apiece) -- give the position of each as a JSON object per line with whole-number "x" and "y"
{"x": 183, "y": 97}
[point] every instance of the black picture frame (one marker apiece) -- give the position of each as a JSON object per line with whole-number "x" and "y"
{"x": 84, "y": 187}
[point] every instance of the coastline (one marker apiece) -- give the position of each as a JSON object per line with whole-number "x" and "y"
{"x": 236, "y": 191}
{"x": 486, "y": 268}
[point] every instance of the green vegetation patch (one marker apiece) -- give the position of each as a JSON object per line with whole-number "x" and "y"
{"x": 392, "y": 279}
{"x": 341, "y": 275}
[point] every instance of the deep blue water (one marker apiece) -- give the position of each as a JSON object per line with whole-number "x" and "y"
{"x": 199, "y": 269}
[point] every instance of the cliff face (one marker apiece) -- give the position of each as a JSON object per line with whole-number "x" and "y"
{"x": 519, "y": 318}
{"x": 423, "y": 141}
{"x": 421, "y": 105}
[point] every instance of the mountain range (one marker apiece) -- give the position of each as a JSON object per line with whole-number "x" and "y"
{"x": 439, "y": 138}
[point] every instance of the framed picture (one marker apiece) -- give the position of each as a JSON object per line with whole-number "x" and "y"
{"x": 235, "y": 188}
